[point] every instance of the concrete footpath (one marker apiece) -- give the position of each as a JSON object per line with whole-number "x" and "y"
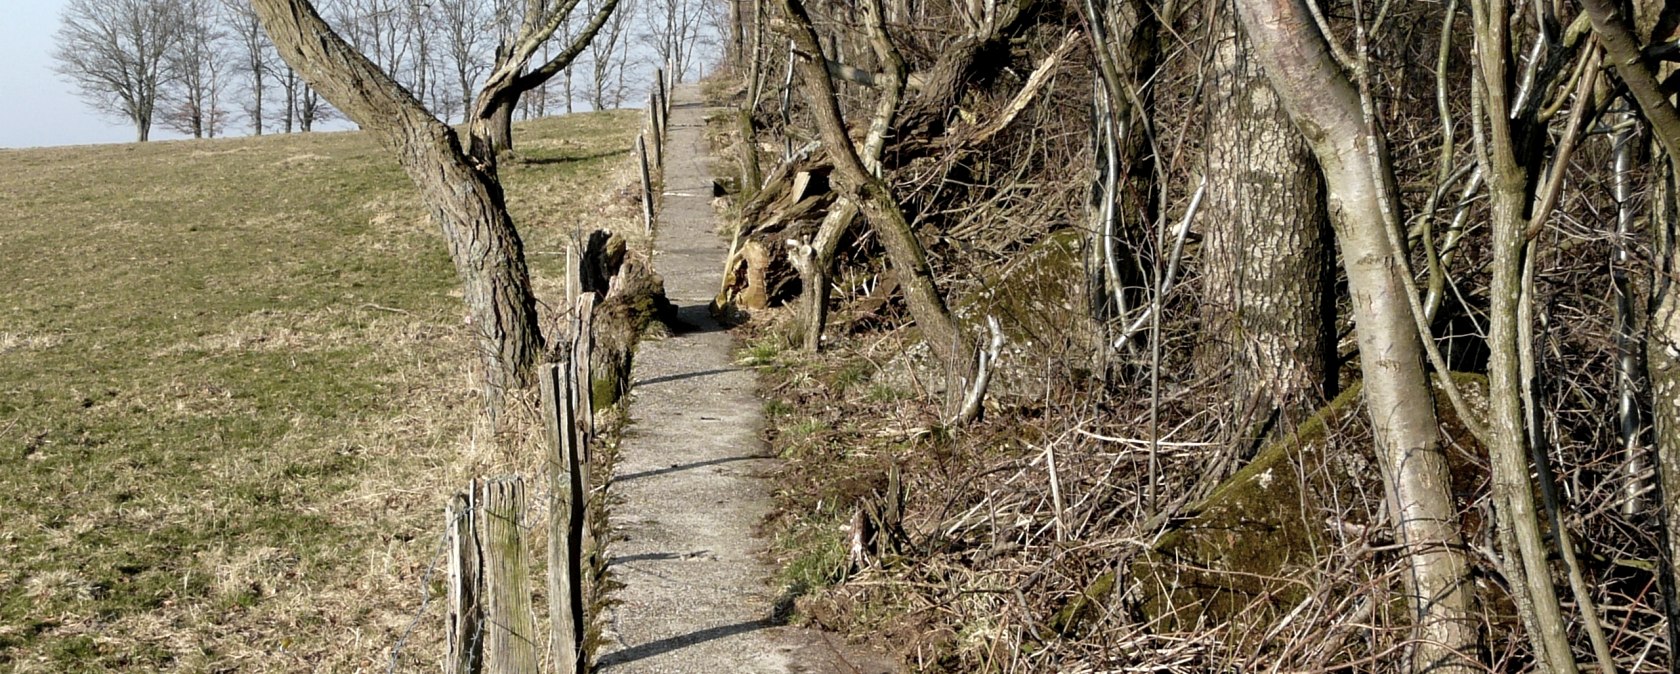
{"x": 690, "y": 488}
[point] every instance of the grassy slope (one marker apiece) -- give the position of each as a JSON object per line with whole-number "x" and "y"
{"x": 234, "y": 387}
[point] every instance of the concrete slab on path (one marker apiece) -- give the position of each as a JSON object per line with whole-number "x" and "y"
{"x": 690, "y": 487}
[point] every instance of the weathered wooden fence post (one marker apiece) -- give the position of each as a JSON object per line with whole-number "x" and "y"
{"x": 566, "y": 491}
{"x": 647, "y": 187}
{"x": 466, "y": 643}
{"x": 510, "y": 642}
{"x": 583, "y": 403}
{"x": 656, "y": 128}
{"x": 664, "y": 94}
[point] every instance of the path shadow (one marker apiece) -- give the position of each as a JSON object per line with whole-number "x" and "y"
{"x": 569, "y": 159}
{"x": 693, "y": 319}
{"x": 683, "y": 466}
{"x": 646, "y": 557}
{"x": 680, "y": 641}
{"x": 681, "y": 376}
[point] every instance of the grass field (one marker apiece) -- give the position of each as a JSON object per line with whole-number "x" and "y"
{"x": 235, "y": 389}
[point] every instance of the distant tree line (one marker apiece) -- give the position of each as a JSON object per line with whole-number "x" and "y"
{"x": 201, "y": 67}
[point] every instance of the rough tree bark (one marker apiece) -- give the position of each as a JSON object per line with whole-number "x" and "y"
{"x": 1266, "y": 326}
{"x": 1327, "y": 109}
{"x": 950, "y": 345}
{"x": 465, "y": 200}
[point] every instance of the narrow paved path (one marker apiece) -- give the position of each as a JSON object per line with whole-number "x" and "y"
{"x": 689, "y": 492}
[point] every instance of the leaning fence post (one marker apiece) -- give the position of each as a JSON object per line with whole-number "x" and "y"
{"x": 583, "y": 405}
{"x": 584, "y": 346}
{"x": 509, "y": 623}
{"x": 657, "y": 127}
{"x": 565, "y": 504}
{"x": 466, "y": 645}
{"x": 664, "y": 94}
{"x": 647, "y": 187}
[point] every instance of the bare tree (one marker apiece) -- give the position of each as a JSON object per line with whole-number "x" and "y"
{"x": 198, "y": 68}
{"x": 606, "y": 58}
{"x": 1323, "y": 102}
{"x": 464, "y": 26}
{"x": 256, "y": 57}
{"x": 459, "y": 184}
{"x": 490, "y": 122}
{"x": 115, "y": 52}
{"x": 875, "y": 199}
{"x": 673, "y": 29}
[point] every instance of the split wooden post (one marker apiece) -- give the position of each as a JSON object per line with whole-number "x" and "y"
{"x": 664, "y": 94}
{"x": 647, "y": 187}
{"x": 566, "y": 519}
{"x": 583, "y": 404}
{"x": 656, "y": 125}
{"x": 510, "y": 631}
{"x": 466, "y": 643}
{"x": 574, "y": 266}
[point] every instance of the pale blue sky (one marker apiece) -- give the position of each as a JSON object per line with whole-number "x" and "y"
{"x": 36, "y": 107}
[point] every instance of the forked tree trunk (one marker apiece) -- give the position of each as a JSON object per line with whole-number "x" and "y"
{"x": 814, "y": 265}
{"x": 950, "y": 345}
{"x": 1267, "y": 331}
{"x": 466, "y": 202}
{"x": 1418, "y": 489}
{"x": 1509, "y": 158}
{"x": 497, "y": 137}
{"x": 490, "y": 118}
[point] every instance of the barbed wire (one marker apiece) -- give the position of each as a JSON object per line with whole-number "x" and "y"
{"x": 425, "y": 601}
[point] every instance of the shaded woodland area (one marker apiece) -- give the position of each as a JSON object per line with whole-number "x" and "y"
{"x": 1259, "y": 335}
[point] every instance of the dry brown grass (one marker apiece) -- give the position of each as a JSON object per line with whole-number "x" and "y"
{"x": 236, "y": 381}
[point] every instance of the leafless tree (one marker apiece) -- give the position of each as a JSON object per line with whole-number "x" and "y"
{"x": 115, "y": 52}
{"x": 607, "y": 58}
{"x": 1320, "y": 97}
{"x": 460, "y": 184}
{"x": 673, "y": 31}
{"x": 197, "y": 67}
{"x": 464, "y": 27}
{"x": 255, "y": 55}
{"x": 490, "y": 122}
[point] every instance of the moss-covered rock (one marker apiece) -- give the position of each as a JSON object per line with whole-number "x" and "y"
{"x": 1040, "y": 304}
{"x": 1041, "y": 312}
{"x": 1257, "y": 545}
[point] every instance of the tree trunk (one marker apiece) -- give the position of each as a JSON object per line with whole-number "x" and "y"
{"x": 257, "y": 107}
{"x": 1124, "y": 189}
{"x": 1267, "y": 326}
{"x": 465, "y": 201}
{"x": 1361, "y": 195}
{"x": 891, "y": 81}
{"x": 1662, "y": 369}
{"x": 498, "y": 130}
{"x": 872, "y": 195}
{"x": 1508, "y": 155}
